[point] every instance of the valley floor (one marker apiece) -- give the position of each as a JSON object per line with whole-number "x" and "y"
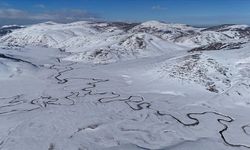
{"x": 47, "y": 103}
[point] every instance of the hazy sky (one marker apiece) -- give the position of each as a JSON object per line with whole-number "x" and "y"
{"x": 195, "y": 12}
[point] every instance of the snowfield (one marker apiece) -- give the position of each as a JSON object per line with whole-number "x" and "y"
{"x": 120, "y": 86}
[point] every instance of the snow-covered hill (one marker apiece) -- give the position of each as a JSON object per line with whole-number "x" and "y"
{"x": 104, "y": 42}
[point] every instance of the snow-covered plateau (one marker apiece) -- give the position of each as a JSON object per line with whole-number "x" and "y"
{"x": 120, "y": 86}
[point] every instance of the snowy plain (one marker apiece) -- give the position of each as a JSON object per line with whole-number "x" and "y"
{"x": 141, "y": 91}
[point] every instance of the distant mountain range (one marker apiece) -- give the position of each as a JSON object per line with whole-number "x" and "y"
{"x": 112, "y": 41}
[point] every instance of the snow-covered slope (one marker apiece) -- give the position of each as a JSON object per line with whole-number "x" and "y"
{"x": 59, "y": 35}
{"x": 201, "y": 69}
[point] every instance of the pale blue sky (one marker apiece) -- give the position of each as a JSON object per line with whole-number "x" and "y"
{"x": 194, "y": 12}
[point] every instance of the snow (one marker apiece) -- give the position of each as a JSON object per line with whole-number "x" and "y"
{"x": 150, "y": 94}
{"x": 162, "y": 26}
{"x": 238, "y": 26}
{"x": 11, "y": 26}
